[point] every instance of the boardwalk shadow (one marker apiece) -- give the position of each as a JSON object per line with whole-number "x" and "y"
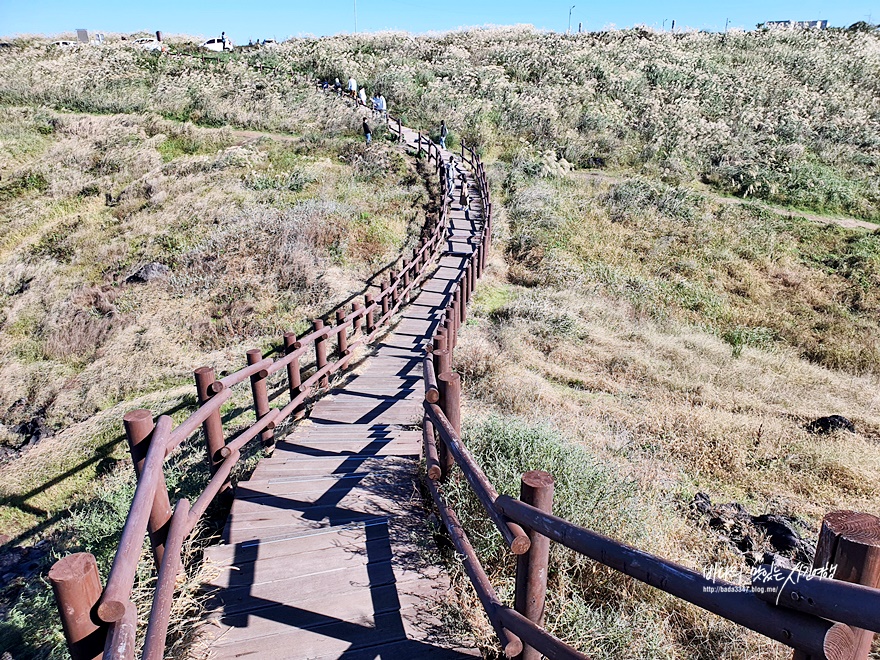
{"x": 381, "y": 552}
{"x": 352, "y": 640}
{"x": 330, "y": 547}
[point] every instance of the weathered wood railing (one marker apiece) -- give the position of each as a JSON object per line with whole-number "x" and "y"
{"x": 818, "y": 617}
{"x": 103, "y": 621}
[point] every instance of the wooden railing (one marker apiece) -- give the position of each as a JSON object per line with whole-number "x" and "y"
{"x": 103, "y": 621}
{"x": 818, "y": 617}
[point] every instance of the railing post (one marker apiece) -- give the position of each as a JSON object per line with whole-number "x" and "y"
{"x": 407, "y": 273}
{"x": 368, "y": 302}
{"x": 321, "y": 352}
{"x": 139, "y": 427}
{"x": 449, "y": 384}
{"x": 467, "y": 285}
{"x": 395, "y": 287}
{"x": 77, "y": 588}
{"x": 449, "y": 324}
{"x": 341, "y": 335}
{"x": 357, "y": 321}
{"x": 399, "y": 131}
{"x": 442, "y": 361}
{"x": 294, "y": 376}
{"x": 851, "y": 542}
{"x": 386, "y": 307}
{"x": 206, "y": 387}
{"x": 489, "y": 230}
{"x": 261, "y": 395}
{"x": 536, "y": 489}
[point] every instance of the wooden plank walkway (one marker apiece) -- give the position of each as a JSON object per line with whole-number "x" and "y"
{"x": 324, "y": 552}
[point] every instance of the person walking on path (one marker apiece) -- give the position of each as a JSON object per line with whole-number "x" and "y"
{"x": 337, "y": 86}
{"x": 352, "y": 87}
{"x": 443, "y": 133}
{"x": 368, "y": 132}
{"x": 383, "y": 106}
{"x": 362, "y": 96}
{"x": 376, "y": 105}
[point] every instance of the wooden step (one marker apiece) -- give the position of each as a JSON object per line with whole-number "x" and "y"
{"x": 319, "y": 559}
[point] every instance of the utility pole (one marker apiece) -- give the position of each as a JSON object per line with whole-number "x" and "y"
{"x": 355, "y": 16}
{"x": 569, "y": 19}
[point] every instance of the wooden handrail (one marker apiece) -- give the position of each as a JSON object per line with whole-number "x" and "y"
{"x": 117, "y": 593}
{"x": 800, "y": 631}
{"x": 242, "y": 375}
{"x": 114, "y": 607}
{"x": 514, "y": 535}
{"x": 510, "y": 643}
{"x": 852, "y": 604}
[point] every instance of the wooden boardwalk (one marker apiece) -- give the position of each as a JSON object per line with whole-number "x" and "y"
{"x": 324, "y": 553}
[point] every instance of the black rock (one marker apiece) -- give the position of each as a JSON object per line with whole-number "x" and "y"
{"x": 32, "y": 431}
{"x": 701, "y": 503}
{"x": 149, "y": 272}
{"x": 825, "y": 425}
{"x": 733, "y": 523}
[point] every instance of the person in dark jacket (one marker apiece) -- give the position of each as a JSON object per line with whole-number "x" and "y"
{"x": 368, "y": 132}
{"x": 443, "y": 133}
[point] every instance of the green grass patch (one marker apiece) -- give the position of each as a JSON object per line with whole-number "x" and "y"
{"x": 587, "y": 493}
{"x": 488, "y": 299}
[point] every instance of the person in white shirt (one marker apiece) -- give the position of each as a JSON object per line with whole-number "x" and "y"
{"x": 352, "y": 87}
{"x": 362, "y": 95}
{"x": 383, "y": 106}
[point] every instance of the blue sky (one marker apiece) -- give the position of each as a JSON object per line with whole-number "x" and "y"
{"x": 284, "y": 18}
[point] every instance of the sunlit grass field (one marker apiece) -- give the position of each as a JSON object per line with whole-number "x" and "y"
{"x": 685, "y": 275}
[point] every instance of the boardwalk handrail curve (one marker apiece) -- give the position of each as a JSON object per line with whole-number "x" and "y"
{"x": 835, "y": 636}
{"x": 110, "y": 621}
{"x": 795, "y": 620}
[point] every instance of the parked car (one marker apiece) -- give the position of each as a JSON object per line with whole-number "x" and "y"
{"x": 217, "y": 44}
{"x": 269, "y": 43}
{"x": 64, "y": 44}
{"x": 150, "y": 43}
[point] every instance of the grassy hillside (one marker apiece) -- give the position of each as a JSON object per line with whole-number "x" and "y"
{"x": 656, "y": 321}
{"x": 789, "y": 117}
{"x": 254, "y": 234}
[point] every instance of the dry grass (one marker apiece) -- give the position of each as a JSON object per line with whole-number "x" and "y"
{"x": 641, "y": 340}
{"x": 258, "y": 237}
{"x": 565, "y": 342}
